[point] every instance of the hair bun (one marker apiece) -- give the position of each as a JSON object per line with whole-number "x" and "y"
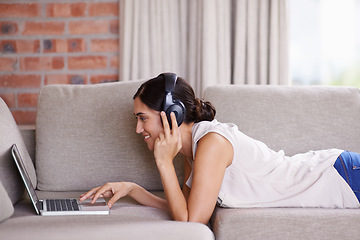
{"x": 205, "y": 111}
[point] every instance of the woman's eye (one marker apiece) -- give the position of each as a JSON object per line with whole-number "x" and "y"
{"x": 141, "y": 118}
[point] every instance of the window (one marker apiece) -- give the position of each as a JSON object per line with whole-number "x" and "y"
{"x": 325, "y": 42}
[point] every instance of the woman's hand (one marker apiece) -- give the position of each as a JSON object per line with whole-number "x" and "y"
{"x": 114, "y": 190}
{"x": 168, "y": 144}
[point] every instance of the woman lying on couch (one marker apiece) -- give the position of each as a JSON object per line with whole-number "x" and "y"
{"x": 224, "y": 166}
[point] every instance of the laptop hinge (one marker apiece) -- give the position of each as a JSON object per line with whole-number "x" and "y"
{"x": 40, "y": 205}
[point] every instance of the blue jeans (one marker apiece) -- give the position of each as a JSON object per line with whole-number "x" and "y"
{"x": 348, "y": 166}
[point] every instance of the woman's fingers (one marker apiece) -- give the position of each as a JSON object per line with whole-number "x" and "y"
{"x": 174, "y": 124}
{"x": 115, "y": 191}
{"x": 89, "y": 194}
{"x": 102, "y": 191}
{"x": 165, "y": 123}
{"x": 116, "y": 197}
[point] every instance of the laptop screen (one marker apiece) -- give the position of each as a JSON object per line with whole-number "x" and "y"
{"x": 24, "y": 175}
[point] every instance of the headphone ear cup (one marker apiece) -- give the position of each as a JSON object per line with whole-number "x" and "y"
{"x": 179, "y": 109}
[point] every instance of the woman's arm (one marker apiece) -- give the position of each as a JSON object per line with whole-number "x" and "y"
{"x": 148, "y": 199}
{"x": 214, "y": 153}
{"x": 117, "y": 190}
{"x": 187, "y": 170}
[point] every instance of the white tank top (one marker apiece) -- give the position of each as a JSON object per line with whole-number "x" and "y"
{"x": 261, "y": 177}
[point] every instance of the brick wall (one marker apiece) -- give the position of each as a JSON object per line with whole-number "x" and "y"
{"x": 50, "y": 42}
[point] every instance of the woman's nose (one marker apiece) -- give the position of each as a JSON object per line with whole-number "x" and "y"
{"x": 139, "y": 127}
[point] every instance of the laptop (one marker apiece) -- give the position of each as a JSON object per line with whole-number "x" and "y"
{"x": 54, "y": 207}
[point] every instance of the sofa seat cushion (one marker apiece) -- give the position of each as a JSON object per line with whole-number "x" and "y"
{"x": 85, "y": 137}
{"x": 6, "y": 207}
{"x": 75, "y": 228}
{"x": 127, "y": 220}
{"x": 285, "y": 223}
{"x": 9, "y": 174}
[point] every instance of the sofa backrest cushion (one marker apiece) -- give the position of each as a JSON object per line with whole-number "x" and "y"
{"x": 85, "y": 137}
{"x": 9, "y": 175}
{"x": 6, "y": 207}
{"x": 292, "y": 118}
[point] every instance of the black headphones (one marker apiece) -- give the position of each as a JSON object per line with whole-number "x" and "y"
{"x": 171, "y": 104}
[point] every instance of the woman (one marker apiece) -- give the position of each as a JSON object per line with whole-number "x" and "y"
{"x": 224, "y": 166}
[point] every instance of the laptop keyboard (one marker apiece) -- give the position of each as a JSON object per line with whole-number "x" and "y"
{"x": 62, "y": 205}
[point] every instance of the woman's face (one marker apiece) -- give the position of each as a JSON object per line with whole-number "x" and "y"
{"x": 148, "y": 122}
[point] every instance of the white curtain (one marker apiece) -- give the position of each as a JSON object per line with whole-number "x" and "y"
{"x": 205, "y": 41}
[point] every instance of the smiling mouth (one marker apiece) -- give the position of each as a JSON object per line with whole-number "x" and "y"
{"x": 146, "y": 137}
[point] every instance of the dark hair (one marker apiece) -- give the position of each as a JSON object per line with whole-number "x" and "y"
{"x": 152, "y": 94}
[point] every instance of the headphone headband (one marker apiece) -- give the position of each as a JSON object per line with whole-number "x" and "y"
{"x": 171, "y": 104}
{"x": 170, "y": 81}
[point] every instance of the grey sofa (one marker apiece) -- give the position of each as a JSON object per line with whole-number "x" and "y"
{"x": 85, "y": 136}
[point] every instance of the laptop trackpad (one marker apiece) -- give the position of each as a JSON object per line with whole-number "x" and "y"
{"x": 100, "y": 204}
